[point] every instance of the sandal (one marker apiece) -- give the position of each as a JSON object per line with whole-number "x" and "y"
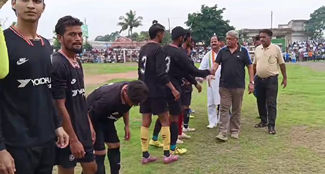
{"x": 272, "y": 131}
{"x": 260, "y": 125}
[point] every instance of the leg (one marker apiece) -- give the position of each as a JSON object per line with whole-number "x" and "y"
{"x": 154, "y": 141}
{"x": 47, "y": 159}
{"x": 261, "y": 101}
{"x": 180, "y": 124}
{"x": 271, "y": 98}
{"x": 99, "y": 147}
{"x": 88, "y": 162}
{"x": 212, "y": 113}
{"x": 66, "y": 161}
{"x": 226, "y": 101}
{"x": 237, "y": 99}
{"x": 113, "y": 144}
{"x": 144, "y": 132}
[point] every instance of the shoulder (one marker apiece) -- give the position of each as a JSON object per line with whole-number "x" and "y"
{"x": 275, "y": 47}
{"x": 244, "y": 49}
{"x": 58, "y": 61}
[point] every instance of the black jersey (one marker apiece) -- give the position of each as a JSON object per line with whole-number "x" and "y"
{"x": 188, "y": 77}
{"x": 152, "y": 69}
{"x": 28, "y": 115}
{"x": 68, "y": 84}
{"x": 105, "y": 103}
{"x": 180, "y": 66}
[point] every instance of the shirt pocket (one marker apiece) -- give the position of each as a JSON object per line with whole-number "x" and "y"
{"x": 273, "y": 59}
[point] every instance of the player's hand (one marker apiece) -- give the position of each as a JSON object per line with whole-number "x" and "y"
{"x": 284, "y": 83}
{"x": 209, "y": 79}
{"x": 2, "y": 2}
{"x": 63, "y": 138}
{"x": 213, "y": 71}
{"x": 7, "y": 163}
{"x": 127, "y": 135}
{"x": 176, "y": 94}
{"x": 251, "y": 88}
{"x": 77, "y": 149}
{"x": 199, "y": 88}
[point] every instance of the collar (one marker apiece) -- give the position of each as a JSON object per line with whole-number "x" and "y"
{"x": 122, "y": 98}
{"x": 29, "y": 42}
{"x": 266, "y": 47}
{"x": 239, "y": 48}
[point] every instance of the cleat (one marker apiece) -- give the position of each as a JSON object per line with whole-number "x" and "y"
{"x": 179, "y": 151}
{"x": 155, "y": 143}
{"x": 149, "y": 160}
{"x": 184, "y": 136}
{"x": 188, "y": 129}
{"x": 170, "y": 159}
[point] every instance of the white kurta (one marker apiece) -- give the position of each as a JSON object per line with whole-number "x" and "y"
{"x": 213, "y": 90}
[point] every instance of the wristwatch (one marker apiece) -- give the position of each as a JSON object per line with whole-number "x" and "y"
{"x": 252, "y": 82}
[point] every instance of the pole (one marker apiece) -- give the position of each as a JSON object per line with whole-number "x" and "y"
{"x": 271, "y": 19}
{"x": 169, "y": 25}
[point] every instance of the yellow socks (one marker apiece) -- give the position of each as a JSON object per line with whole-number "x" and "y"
{"x": 165, "y": 133}
{"x": 144, "y": 133}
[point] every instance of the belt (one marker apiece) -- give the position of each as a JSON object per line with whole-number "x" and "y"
{"x": 267, "y": 77}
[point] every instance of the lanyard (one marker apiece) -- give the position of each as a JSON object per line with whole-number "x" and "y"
{"x": 211, "y": 59}
{"x": 74, "y": 63}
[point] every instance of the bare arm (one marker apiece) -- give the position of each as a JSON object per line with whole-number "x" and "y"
{"x": 126, "y": 119}
{"x": 283, "y": 70}
{"x": 66, "y": 121}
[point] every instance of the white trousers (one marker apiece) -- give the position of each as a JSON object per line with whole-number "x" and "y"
{"x": 213, "y": 102}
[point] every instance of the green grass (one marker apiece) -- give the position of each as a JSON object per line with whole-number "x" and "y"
{"x": 299, "y": 146}
{"x": 108, "y": 68}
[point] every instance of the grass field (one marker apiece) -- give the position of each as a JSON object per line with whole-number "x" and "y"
{"x": 108, "y": 68}
{"x": 298, "y": 147}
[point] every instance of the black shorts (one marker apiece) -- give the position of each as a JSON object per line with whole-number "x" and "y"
{"x": 174, "y": 106}
{"x": 105, "y": 133}
{"x": 65, "y": 158}
{"x": 35, "y": 159}
{"x": 154, "y": 105}
{"x": 186, "y": 96}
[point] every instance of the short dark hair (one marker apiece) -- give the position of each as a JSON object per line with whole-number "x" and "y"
{"x": 155, "y": 29}
{"x": 15, "y": 9}
{"x": 266, "y": 31}
{"x": 178, "y": 32}
{"x": 66, "y": 21}
{"x": 137, "y": 91}
{"x": 257, "y": 37}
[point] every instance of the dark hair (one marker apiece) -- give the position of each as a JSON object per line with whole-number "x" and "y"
{"x": 137, "y": 91}
{"x": 178, "y": 32}
{"x": 155, "y": 29}
{"x": 266, "y": 31}
{"x": 257, "y": 37}
{"x": 188, "y": 34}
{"x": 15, "y": 9}
{"x": 66, "y": 21}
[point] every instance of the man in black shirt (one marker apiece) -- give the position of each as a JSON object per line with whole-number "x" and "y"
{"x": 106, "y": 105}
{"x": 233, "y": 59}
{"x": 152, "y": 69}
{"x": 28, "y": 117}
{"x": 179, "y": 67}
{"x": 69, "y": 94}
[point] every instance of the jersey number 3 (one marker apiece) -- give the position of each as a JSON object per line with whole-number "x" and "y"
{"x": 144, "y": 62}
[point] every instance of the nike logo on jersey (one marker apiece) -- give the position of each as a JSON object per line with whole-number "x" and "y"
{"x": 22, "y": 61}
{"x": 73, "y": 81}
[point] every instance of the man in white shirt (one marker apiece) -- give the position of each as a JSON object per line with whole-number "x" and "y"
{"x": 213, "y": 83}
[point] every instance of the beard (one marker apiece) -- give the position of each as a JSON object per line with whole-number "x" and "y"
{"x": 76, "y": 50}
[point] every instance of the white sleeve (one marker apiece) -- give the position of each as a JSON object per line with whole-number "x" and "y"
{"x": 205, "y": 62}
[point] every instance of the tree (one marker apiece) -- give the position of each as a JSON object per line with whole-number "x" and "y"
{"x": 13, "y": 23}
{"x": 87, "y": 46}
{"x": 316, "y": 24}
{"x": 167, "y": 39}
{"x": 129, "y": 22}
{"x": 109, "y": 37}
{"x": 207, "y": 22}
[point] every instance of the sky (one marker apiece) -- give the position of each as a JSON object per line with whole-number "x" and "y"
{"x": 102, "y": 15}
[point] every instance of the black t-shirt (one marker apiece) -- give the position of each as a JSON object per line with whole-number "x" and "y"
{"x": 105, "y": 103}
{"x": 68, "y": 84}
{"x": 233, "y": 67}
{"x": 187, "y": 88}
{"x": 152, "y": 69}
{"x": 179, "y": 66}
{"x": 28, "y": 115}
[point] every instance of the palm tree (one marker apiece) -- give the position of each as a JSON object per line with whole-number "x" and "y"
{"x": 129, "y": 22}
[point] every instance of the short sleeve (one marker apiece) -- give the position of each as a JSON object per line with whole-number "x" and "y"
{"x": 280, "y": 57}
{"x": 248, "y": 60}
{"x": 58, "y": 80}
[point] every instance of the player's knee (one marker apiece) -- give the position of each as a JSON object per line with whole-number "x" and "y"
{"x": 100, "y": 152}
{"x": 174, "y": 119}
{"x": 89, "y": 168}
{"x": 146, "y": 120}
{"x": 113, "y": 145}
{"x": 164, "y": 119}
